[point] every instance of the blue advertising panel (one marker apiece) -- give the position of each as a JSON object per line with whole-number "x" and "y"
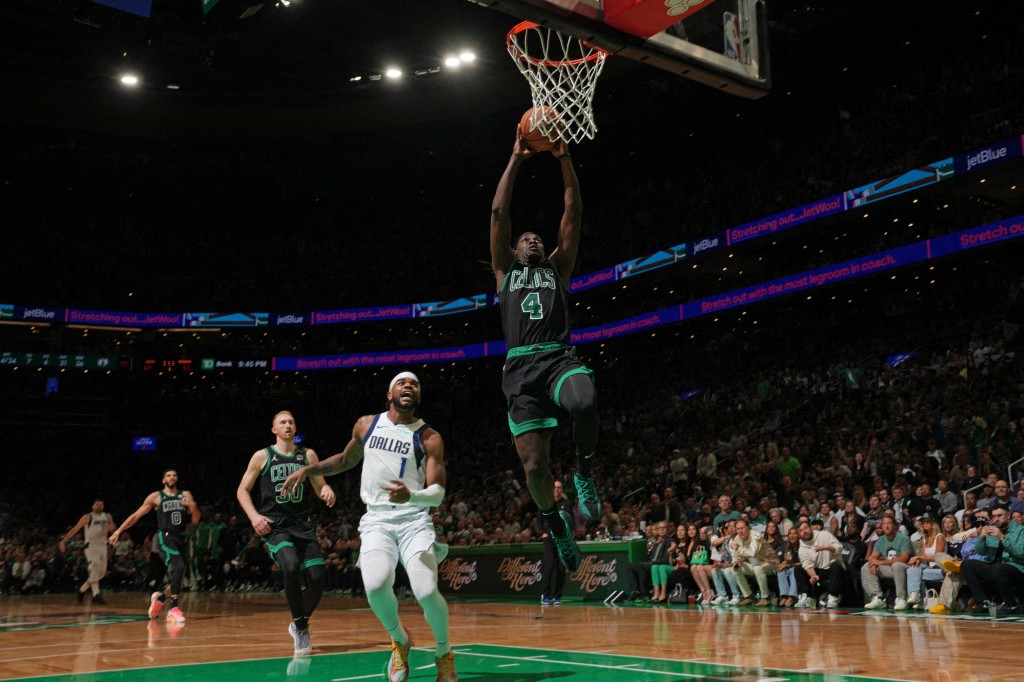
{"x": 290, "y": 319}
{"x": 454, "y": 307}
{"x": 786, "y": 219}
{"x": 144, "y": 444}
{"x": 987, "y": 156}
{"x": 660, "y": 259}
{"x": 390, "y": 357}
{"x": 898, "y": 184}
{"x": 394, "y": 312}
{"x": 113, "y": 318}
{"x": 226, "y": 319}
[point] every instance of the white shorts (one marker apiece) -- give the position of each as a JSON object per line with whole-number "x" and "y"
{"x": 402, "y": 533}
{"x": 97, "y": 558}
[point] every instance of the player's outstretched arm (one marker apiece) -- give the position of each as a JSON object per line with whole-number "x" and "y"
{"x": 335, "y": 464}
{"x": 71, "y": 533}
{"x": 564, "y": 255}
{"x": 501, "y": 223}
{"x": 151, "y": 502}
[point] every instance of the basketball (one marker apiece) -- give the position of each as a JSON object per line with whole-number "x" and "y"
{"x": 534, "y": 138}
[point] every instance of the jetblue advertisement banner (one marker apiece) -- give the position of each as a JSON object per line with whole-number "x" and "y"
{"x": 988, "y": 156}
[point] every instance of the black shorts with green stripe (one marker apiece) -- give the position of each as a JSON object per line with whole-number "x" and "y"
{"x": 170, "y": 545}
{"x": 531, "y": 380}
{"x": 295, "y": 532}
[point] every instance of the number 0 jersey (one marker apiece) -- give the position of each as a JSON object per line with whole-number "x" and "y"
{"x": 171, "y": 514}
{"x": 534, "y": 305}
{"x": 392, "y": 452}
{"x": 278, "y": 467}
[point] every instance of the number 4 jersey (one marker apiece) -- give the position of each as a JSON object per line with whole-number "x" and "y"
{"x": 534, "y": 305}
{"x": 278, "y": 467}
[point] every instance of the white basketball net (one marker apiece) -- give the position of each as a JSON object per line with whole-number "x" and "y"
{"x": 562, "y": 72}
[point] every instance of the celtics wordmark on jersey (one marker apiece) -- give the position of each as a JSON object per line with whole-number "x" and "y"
{"x": 278, "y": 467}
{"x": 534, "y": 305}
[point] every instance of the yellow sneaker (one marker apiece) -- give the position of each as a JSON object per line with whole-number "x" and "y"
{"x": 940, "y": 610}
{"x": 446, "y": 668}
{"x": 398, "y": 666}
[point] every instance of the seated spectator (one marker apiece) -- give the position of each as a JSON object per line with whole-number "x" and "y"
{"x": 661, "y": 566}
{"x": 923, "y": 566}
{"x": 788, "y": 554}
{"x": 959, "y": 547}
{"x": 751, "y": 556}
{"x": 888, "y": 559}
{"x": 638, "y": 573}
{"x": 996, "y": 576}
{"x": 681, "y": 554}
{"x": 722, "y": 571}
{"x": 820, "y": 563}
{"x": 701, "y": 566}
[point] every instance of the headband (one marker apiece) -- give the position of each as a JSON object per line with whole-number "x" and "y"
{"x": 402, "y": 375}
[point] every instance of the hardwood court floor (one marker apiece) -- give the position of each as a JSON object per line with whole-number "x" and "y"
{"x": 243, "y": 636}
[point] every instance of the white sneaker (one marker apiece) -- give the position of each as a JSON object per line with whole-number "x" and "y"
{"x": 833, "y": 601}
{"x": 719, "y": 600}
{"x": 876, "y": 603}
{"x": 900, "y": 604}
{"x": 804, "y": 602}
{"x": 734, "y": 601}
{"x": 914, "y": 598}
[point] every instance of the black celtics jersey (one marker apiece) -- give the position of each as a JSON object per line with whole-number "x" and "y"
{"x": 534, "y": 305}
{"x": 171, "y": 514}
{"x": 278, "y": 467}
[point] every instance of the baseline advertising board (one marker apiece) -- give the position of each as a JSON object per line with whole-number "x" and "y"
{"x": 516, "y": 570}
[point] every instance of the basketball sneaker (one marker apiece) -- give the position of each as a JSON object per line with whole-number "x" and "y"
{"x": 568, "y": 550}
{"x": 98, "y": 599}
{"x": 175, "y": 615}
{"x": 398, "y": 666}
{"x": 303, "y": 647}
{"x": 446, "y": 668}
{"x": 155, "y": 605}
{"x": 80, "y": 596}
{"x": 588, "y": 500}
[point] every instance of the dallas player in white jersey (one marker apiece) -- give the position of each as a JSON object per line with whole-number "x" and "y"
{"x": 98, "y": 525}
{"x": 403, "y": 476}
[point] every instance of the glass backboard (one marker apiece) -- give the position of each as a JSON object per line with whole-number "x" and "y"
{"x": 720, "y": 43}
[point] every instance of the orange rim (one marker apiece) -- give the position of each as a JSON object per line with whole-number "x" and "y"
{"x": 519, "y": 54}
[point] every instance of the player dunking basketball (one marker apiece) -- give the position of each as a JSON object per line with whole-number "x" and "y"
{"x": 283, "y": 522}
{"x": 175, "y": 509}
{"x": 543, "y": 379}
{"x": 97, "y": 524}
{"x": 403, "y": 476}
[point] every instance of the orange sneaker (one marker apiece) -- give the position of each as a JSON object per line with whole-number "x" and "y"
{"x": 175, "y": 615}
{"x": 155, "y": 605}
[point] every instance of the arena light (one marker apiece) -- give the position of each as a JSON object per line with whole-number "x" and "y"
{"x": 129, "y": 80}
{"x": 393, "y": 73}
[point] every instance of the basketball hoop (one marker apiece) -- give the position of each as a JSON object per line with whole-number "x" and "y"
{"x": 562, "y": 72}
